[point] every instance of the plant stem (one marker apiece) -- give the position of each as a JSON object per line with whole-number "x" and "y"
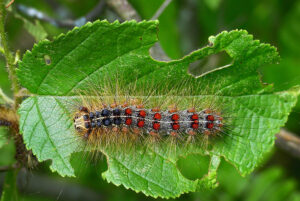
{"x": 9, "y": 3}
{"x": 10, "y": 61}
{"x": 161, "y": 9}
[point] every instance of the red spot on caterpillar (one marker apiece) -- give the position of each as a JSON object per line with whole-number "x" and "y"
{"x": 210, "y": 118}
{"x": 195, "y": 125}
{"x": 195, "y": 117}
{"x": 209, "y": 125}
{"x": 175, "y": 126}
{"x": 128, "y": 111}
{"x": 175, "y": 117}
{"x": 141, "y": 124}
{"x": 128, "y": 121}
{"x": 156, "y": 125}
{"x": 157, "y": 116}
{"x": 142, "y": 113}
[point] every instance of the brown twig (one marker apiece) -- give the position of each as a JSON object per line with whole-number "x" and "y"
{"x": 124, "y": 9}
{"x": 9, "y": 4}
{"x": 289, "y": 142}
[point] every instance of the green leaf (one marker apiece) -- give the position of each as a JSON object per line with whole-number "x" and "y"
{"x": 35, "y": 29}
{"x": 149, "y": 171}
{"x": 10, "y": 192}
{"x": 100, "y": 53}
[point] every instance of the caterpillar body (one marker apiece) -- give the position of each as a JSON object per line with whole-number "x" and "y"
{"x": 139, "y": 120}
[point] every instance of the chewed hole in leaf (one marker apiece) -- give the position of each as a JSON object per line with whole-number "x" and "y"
{"x": 83, "y": 161}
{"x": 210, "y": 63}
{"x": 157, "y": 53}
{"x": 194, "y": 166}
{"x": 47, "y": 59}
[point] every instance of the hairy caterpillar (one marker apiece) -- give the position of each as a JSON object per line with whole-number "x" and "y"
{"x": 154, "y": 122}
{"x": 111, "y": 113}
{"x": 121, "y": 118}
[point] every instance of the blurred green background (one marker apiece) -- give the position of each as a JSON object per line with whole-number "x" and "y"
{"x": 185, "y": 25}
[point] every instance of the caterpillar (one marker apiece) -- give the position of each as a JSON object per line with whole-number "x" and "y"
{"x": 110, "y": 118}
{"x": 153, "y": 121}
{"x": 110, "y": 112}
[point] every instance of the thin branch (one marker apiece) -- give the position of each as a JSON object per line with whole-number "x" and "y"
{"x": 124, "y": 9}
{"x": 10, "y": 60}
{"x": 68, "y": 23}
{"x": 161, "y": 9}
{"x": 9, "y": 4}
{"x": 289, "y": 142}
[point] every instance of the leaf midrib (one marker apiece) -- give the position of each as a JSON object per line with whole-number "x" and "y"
{"x": 48, "y": 135}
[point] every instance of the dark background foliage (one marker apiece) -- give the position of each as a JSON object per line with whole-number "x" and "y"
{"x": 185, "y": 26}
